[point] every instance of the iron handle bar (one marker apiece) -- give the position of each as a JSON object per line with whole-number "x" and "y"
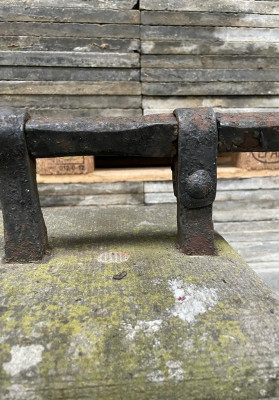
{"x": 147, "y": 136}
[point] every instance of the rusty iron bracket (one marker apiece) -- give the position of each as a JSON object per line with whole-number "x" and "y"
{"x": 195, "y": 179}
{"x": 191, "y": 136}
{"x": 24, "y": 228}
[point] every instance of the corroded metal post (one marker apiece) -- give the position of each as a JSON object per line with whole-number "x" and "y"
{"x": 195, "y": 179}
{"x": 24, "y": 227}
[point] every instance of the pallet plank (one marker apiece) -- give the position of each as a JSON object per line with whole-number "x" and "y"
{"x": 69, "y": 30}
{"x": 211, "y": 62}
{"x": 209, "y": 19}
{"x": 69, "y": 88}
{"x": 70, "y": 102}
{"x": 85, "y": 14}
{"x": 205, "y": 47}
{"x": 68, "y": 74}
{"x": 85, "y": 112}
{"x": 251, "y": 7}
{"x": 172, "y": 102}
{"x": 228, "y": 34}
{"x": 205, "y": 75}
{"x": 94, "y": 4}
{"x": 210, "y": 89}
{"x": 96, "y": 45}
{"x": 69, "y": 59}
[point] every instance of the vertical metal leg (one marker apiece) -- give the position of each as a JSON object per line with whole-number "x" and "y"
{"x": 195, "y": 179}
{"x": 24, "y": 228}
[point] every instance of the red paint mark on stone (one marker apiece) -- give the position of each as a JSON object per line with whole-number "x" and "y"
{"x": 182, "y": 298}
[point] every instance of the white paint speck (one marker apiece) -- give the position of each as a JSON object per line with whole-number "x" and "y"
{"x": 113, "y": 257}
{"x": 191, "y": 300}
{"x": 148, "y": 327}
{"x": 175, "y": 370}
{"x": 23, "y": 358}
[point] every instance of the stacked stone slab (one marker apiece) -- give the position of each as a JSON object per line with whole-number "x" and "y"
{"x": 70, "y": 57}
{"x": 219, "y": 53}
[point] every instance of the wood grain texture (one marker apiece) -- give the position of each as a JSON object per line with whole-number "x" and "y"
{"x": 210, "y": 89}
{"x": 93, "y": 4}
{"x": 209, "y": 19}
{"x": 70, "y": 102}
{"x": 251, "y": 7}
{"x": 206, "y": 75}
{"x": 68, "y": 44}
{"x": 69, "y": 59}
{"x": 69, "y": 30}
{"x": 209, "y": 46}
{"x": 243, "y": 101}
{"x": 69, "y": 88}
{"x": 228, "y": 34}
{"x": 68, "y": 74}
{"x": 210, "y": 62}
{"x": 56, "y": 14}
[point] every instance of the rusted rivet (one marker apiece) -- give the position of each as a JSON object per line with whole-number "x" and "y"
{"x": 199, "y": 184}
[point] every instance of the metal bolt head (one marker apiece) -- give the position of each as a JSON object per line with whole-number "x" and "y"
{"x": 199, "y": 184}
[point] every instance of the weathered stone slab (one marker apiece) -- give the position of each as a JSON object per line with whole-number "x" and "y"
{"x": 68, "y": 74}
{"x": 210, "y": 89}
{"x": 70, "y": 30}
{"x": 221, "y": 75}
{"x": 203, "y": 33}
{"x": 69, "y": 59}
{"x": 215, "y": 62}
{"x": 84, "y": 14}
{"x": 209, "y": 19}
{"x": 96, "y": 45}
{"x": 174, "y": 327}
{"x": 70, "y": 102}
{"x": 70, "y": 88}
{"x": 251, "y": 7}
{"x": 270, "y": 49}
{"x": 171, "y": 103}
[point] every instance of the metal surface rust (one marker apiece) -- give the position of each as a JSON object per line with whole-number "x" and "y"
{"x": 192, "y": 139}
{"x": 24, "y": 229}
{"x": 243, "y": 132}
{"x": 148, "y": 136}
{"x": 195, "y": 178}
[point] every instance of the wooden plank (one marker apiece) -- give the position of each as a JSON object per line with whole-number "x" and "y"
{"x": 69, "y": 88}
{"x": 210, "y": 62}
{"x": 257, "y": 251}
{"x": 172, "y": 102}
{"x": 69, "y": 30}
{"x": 85, "y": 14}
{"x": 69, "y": 59}
{"x": 70, "y": 102}
{"x": 200, "y": 47}
{"x": 227, "y": 34}
{"x": 93, "y": 200}
{"x": 209, "y": 19}
{"x": 210, "y": 89}
{"x": 221, "y": 75}
{"x": 94, "y": 4}
{"x": 68, "y": 74}
{"x": 86, "y": 112}
{"x": 85, "y": 189}
{"x": 96, "y": 45}
{"x": 247, "y": 216}
{"x": 244, "y": 227}
{"x": 261, "y": 185}
{"x": 259, "y": 7}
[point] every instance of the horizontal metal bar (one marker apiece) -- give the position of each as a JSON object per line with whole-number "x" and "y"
{"x": 242, "y": 132}
{"x": 147, "y": 136}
